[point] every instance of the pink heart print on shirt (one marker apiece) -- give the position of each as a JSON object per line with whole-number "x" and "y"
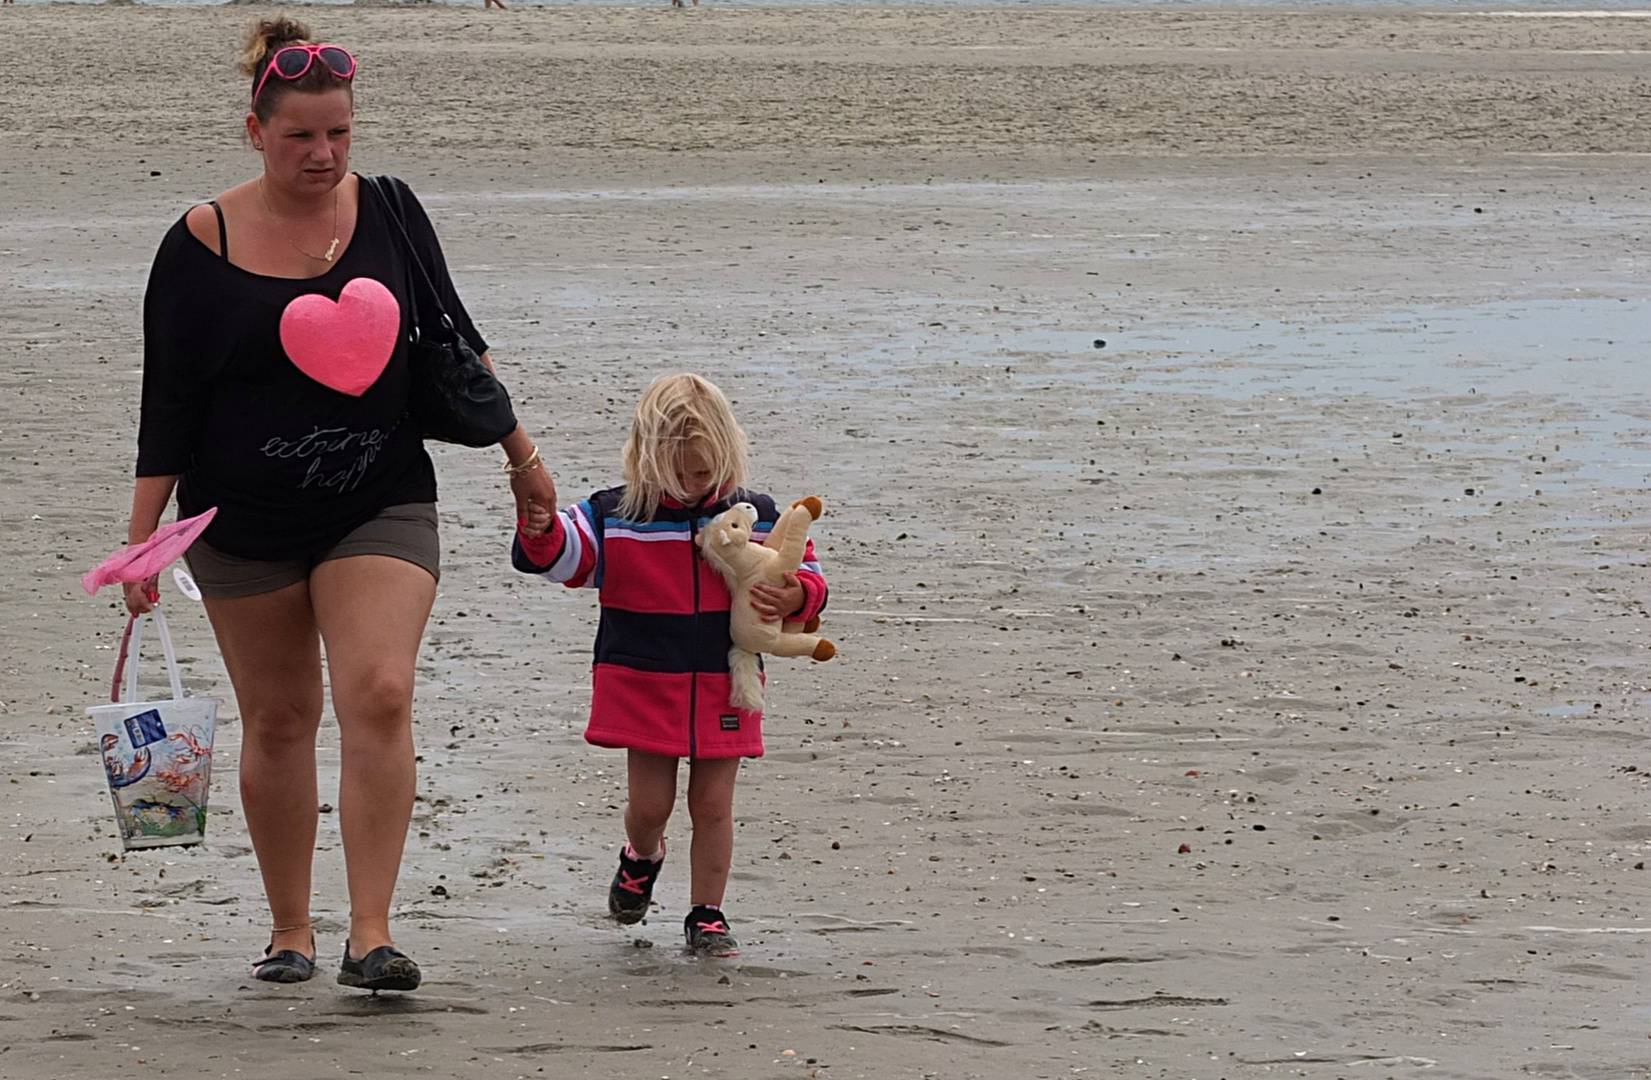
{"x": 345, "y": 345}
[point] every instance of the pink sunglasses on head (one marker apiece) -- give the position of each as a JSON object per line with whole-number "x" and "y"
{"x": 290, "y": 62}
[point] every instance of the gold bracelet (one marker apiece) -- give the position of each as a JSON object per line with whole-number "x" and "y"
{"x": 532, "y": 462}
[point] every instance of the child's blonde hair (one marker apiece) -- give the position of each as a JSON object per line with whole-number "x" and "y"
{"x": 679, "y": 414}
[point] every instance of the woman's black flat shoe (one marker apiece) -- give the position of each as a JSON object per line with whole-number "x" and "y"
{"x": 286, "y": 966}
{"x": 385, "y": 968}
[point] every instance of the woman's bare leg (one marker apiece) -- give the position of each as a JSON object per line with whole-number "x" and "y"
{"x": 711, "y": 807}
{"x": 272, "y": 650}
{"x": 371, "y": 610}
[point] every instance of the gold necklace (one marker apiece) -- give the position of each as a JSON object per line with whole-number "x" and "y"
{"x": 332, "y": 248}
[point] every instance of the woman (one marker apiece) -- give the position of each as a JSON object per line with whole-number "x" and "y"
{"x": 275, "y": 388}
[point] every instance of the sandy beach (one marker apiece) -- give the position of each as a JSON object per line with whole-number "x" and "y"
{"x": 1234, "y": 437}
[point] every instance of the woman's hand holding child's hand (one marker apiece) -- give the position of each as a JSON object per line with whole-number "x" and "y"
{"x": 534, "y": 490}
{"x": 776, "y": 602}
{"x": 536, "y": 521}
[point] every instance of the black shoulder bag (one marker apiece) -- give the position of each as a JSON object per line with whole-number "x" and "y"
{"x": 452, "y": 395}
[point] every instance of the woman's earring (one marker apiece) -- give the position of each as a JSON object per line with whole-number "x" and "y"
{"x": 257, "y": 146}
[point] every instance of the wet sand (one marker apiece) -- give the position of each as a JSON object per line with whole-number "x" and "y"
{"x": 1234, "y": 440}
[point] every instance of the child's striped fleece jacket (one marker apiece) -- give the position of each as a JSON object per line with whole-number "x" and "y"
{"x": 660, "y": 677}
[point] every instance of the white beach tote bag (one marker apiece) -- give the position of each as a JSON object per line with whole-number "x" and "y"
{"x": 157, "y": 755}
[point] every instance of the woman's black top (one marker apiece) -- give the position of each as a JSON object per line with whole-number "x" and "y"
{"x": 291, "y": 465}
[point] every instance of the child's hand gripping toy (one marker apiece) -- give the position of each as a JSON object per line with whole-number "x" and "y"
{"x": 726, "y": 544}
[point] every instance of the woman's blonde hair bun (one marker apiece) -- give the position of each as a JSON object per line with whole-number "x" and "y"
{"x": 264, "y": 37}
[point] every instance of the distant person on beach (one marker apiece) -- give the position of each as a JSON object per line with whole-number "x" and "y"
{"x": 275, "y": 388}
{"x": 660, "y": 678}
{"x": 485, "y": 4}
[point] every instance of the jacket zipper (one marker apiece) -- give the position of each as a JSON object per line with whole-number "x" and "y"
{"x": 693, "y": 677}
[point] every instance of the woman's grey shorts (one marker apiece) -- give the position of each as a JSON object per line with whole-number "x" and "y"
{"x": 402, "y": 532}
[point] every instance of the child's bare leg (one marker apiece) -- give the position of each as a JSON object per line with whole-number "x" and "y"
{"x": 711, "y": 808}
{"x": 652, "y": 782}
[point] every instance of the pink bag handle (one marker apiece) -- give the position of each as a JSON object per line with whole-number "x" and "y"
{"x": 120, "y": 661}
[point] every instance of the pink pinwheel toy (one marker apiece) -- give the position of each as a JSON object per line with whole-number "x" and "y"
{"x": 134, "y": 562}
{"x": 138, "y": 561}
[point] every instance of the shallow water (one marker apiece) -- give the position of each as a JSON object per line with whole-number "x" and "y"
{"x": 1587, "y": 352}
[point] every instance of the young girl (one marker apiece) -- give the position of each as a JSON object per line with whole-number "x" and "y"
{"x": 660, "y": 681}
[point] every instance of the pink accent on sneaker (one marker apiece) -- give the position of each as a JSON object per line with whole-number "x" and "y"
{"x": 637, "y": 885}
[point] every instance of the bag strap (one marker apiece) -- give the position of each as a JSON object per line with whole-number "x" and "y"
{"x": 389, "y": 195}
{"x": 133, "y": 637}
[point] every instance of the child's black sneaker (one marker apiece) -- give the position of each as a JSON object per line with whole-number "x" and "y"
{"x": 708, "y": 935}
{"x": 633, "y": 885}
